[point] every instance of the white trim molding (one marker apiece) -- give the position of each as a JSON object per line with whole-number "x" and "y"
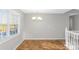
{"x": 44, "y": 38}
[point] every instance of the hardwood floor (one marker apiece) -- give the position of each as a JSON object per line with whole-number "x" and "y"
{"x": 42, "y": 45}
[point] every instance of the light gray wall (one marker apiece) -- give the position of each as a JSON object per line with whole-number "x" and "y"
{"x": 52, "y": 26}
{"x": 76, "y": 23}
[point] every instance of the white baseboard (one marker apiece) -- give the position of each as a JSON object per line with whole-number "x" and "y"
{"x": 44, "y": 39}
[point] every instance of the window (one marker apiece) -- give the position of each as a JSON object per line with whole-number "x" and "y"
{"x": 9, "y": 24}
{"x": 13, "y": 29}
{"x": 14, "y": 24}
{"x": 3, "y": 30}
{"x": 3, "y": 25}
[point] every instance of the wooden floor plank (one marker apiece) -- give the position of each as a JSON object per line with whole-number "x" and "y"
{"x": 42, "y": 45}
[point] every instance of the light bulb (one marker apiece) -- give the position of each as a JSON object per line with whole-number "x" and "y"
{"x": 33, "y": 18}
{"x": 39, "y": 18}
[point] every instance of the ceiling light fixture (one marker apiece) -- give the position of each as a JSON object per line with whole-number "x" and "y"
{"x": 39, "y": 18}
{"x": 33, "y": 18}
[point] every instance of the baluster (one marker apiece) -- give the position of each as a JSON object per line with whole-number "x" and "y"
{"x": 77, "y": 42}
{"x": 68, "y": 39}
{"x": 74, "y": 41}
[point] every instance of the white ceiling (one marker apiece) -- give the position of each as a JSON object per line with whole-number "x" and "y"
{"x": 48, "y": 11}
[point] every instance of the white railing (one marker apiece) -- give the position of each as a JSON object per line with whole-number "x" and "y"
{"x": 71, "y": 39}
